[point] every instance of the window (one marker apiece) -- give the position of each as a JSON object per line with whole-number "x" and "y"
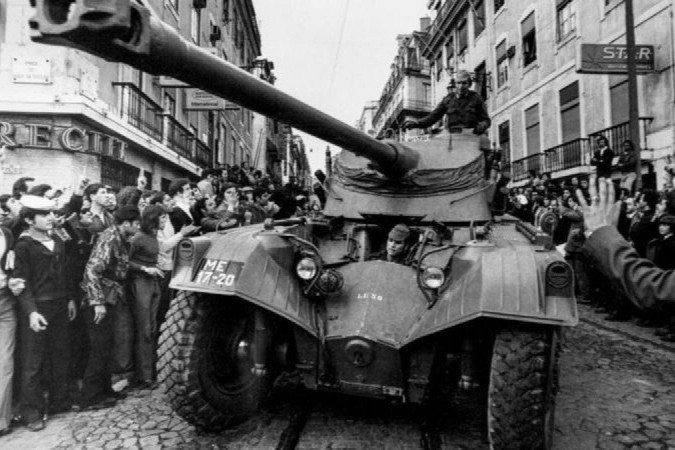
{"x": 194, "y": 25}
{"x": 504, "y": 138}
{"x": 499, "y": 4}
{"x": 532, "y": 129}
{"x": 480, "y": 79}
{"x": 169, "y": 104}
{"x": 222, "y": 144}
{"x": 502, "y": 64}
{"x": 450, "y": 50}
{"x": 567, "y": 17}
{"x": 233, "y": 151}
{"x": 569, "y": 112}
{"x": 462, "y": 36}
{"x": 529, "y": 40}
{"x": 618, "y": 94}
{"x": 478, "y": 18}
{"x": 427, "y": 92}
{"x": 439, "y": 66}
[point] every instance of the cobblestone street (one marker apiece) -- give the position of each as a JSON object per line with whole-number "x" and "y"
{"x": 615, "y": 392}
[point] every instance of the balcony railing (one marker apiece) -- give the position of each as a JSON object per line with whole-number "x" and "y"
{"x": 521, "y": 167}
{"x": 178, "y": 138}
{"x": 618, "y": 133}
{"x": 568, "y": 155}
{"x": 140, "y": 110}
{"x": 204, "y": 155}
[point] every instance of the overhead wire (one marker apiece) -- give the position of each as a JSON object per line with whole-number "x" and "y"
{"x": 338, "y": 49}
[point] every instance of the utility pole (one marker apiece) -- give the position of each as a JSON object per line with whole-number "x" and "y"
{"x": 633, "y": 115}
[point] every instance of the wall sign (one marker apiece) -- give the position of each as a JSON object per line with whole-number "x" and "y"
{"x": 202, "y": 100}
{"x": 69, "y": 138}
{"x": 31, "y": 69}
{"x": 613, "y": 58}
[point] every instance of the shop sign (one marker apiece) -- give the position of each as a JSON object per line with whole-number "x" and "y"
{"x": 613, "y": 58}
{"x": 31, "y": 69}
{"x": 202, "y": 100}
{"x": 72, "y": 138}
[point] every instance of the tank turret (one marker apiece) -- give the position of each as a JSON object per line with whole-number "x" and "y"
{"x": 430, "y": 180}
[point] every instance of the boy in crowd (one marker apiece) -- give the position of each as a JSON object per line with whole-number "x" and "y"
{"x": 104, "y": 278}
{"x": 45, "y": 308}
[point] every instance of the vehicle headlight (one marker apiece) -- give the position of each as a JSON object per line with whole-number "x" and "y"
{"x": 433, "y": 277}
{"x": 306, "y": 268}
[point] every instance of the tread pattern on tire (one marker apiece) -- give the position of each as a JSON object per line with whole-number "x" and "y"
{"x": 519, "y": 394}
{"x": 178, "y": 362}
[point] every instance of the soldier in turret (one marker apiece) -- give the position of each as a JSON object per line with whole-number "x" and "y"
{"x": 464, "y": 108}
{"x": 398, "y": 245}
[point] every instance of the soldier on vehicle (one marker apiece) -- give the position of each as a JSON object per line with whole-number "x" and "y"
{"x": 398, "y": 244}
{"x": 464, "y": 108}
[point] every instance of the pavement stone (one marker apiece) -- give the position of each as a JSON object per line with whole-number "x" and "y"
{"x": 617, "y": 390}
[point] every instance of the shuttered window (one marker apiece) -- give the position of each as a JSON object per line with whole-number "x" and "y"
{"x": 532, "y": 129}
{"x": 618, "y": 95}
{"x": 570, "y": 112}
{"x": 504, "y": 135}
{"x": 462, "y": 36}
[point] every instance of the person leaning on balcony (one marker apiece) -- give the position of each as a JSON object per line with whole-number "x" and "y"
{"x": 626, "y": 164}
{"x": 602, "y": 158}
{"x": 463, "y": 108}
{"x": 642, "y": 281}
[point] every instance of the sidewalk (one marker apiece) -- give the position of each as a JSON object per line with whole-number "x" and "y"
{"x": 628, "y": 329}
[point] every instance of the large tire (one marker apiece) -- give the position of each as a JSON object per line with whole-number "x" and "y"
{"x": 523, "y": 386}
{"x": 204, "y": 362}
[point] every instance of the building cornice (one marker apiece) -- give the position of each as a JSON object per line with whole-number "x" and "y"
{"x": 106, "y": 121}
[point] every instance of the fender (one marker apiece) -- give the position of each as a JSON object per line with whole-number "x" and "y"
{"x": 506, "y": 283}
{"x": 243, "y": 263}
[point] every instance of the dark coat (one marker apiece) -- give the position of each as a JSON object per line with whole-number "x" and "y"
{"x": 179, "y": 219}
{"x": 467, "y": 111}
{"x": 643, "y": 282}
{"x": 641, "y": 232}
{"x": 603, "y": 162}
{"x": 662, "y": 252}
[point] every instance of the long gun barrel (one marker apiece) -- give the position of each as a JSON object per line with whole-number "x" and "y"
{"x": 128, "y": 31}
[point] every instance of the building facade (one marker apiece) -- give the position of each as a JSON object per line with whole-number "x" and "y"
{"x": 64, "y": 113}
{"x": 365, "y": 123}
{"x": 524, "y": 58}
{"x": 407, "y": 93}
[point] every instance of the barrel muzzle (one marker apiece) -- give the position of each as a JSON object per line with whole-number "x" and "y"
{"x": 115, "y": 30}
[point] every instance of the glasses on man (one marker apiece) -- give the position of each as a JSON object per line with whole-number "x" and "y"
{"x": 462, "y": 82}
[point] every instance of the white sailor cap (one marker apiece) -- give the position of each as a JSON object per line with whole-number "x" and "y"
{"x": 37, "y": 203}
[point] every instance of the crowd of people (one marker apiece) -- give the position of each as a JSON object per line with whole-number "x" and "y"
{"x": 84, "y": 279}
{"x": 646, "y": 220}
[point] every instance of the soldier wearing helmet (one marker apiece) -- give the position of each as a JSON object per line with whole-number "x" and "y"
{"x": 463, "y": 108}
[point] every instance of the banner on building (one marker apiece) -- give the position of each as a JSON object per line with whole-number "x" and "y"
{"x": 196, "y": 99}
{"x": 613, "y": 58}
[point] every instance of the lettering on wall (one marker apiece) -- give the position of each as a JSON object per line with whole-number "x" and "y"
{"x": 68, "y": 138}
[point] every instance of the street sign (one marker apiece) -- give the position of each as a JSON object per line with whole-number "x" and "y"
{"x": 31, "y": 69}
{"x": 202, "y": 100}
{"x": 613, "y": 58}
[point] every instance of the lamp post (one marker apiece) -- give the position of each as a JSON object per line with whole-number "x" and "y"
{"x": 633, "y": 116}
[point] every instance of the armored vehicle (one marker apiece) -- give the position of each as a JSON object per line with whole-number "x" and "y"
{"x": 474, "y": 303}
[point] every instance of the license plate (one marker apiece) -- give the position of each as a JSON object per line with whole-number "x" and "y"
{"x": 218, "y": 273}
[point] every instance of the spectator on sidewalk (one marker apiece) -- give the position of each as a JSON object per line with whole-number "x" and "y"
{"x": 145, "y": 291}
{"x": 46, "y": 307}
{"x": 7, "y": 333}
{"x": 182, "y": 195}
{"x": 104, "y": 278}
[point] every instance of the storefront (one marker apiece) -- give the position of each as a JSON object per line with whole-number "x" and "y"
{"x": 58, "y": 150}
